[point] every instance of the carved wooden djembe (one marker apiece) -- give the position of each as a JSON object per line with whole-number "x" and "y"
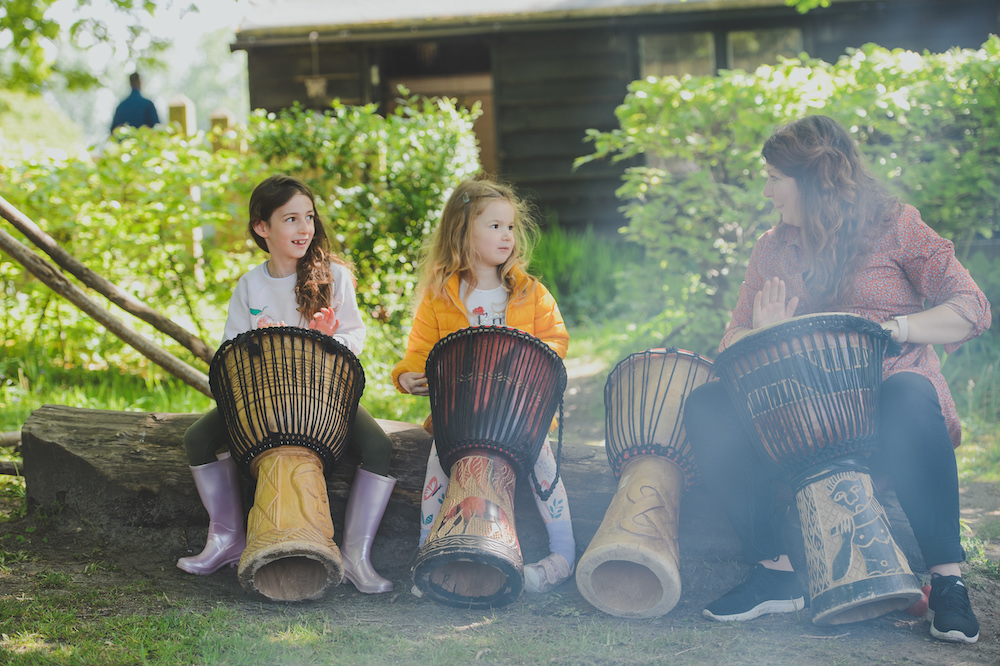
{"x": 288, "y": 397}
{"x": 493, "y": 393}
{"x": 807, "y": 389}
{"x": 630, "y": 568}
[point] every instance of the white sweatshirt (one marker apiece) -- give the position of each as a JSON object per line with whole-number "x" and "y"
{"x": 261, "y": 300}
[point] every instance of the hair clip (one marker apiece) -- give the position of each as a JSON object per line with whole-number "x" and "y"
{"x": 465, "y": 197}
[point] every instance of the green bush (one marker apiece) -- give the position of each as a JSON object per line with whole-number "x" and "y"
{"x": 585, "y": 271}
{"x": 930, "y": 126}
{"x": 133, "y": 212}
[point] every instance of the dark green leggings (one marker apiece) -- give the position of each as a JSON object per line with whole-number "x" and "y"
{"x": 207, "y": 435}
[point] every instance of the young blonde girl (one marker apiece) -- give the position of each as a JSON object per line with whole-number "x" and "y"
{"x": 304, "y": 284}
{"x": 474, "y": 275}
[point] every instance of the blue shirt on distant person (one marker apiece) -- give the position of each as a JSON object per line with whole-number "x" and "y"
{"x": 135, "y": 110}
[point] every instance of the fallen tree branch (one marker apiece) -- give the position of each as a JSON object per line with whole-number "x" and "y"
{"x": 10, "y": 439}
{"x": 122, "y": 299}
{"x": 56, "y": 281}
{"x": 10, "y": 469}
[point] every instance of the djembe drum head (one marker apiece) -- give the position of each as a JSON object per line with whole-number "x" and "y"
{"x": 643, "y": 406}
{"x": 807, "y": 388}
{"x": 495, "y": 389}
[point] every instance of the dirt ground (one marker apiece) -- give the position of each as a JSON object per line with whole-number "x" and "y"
{"x": 708, "y": 568}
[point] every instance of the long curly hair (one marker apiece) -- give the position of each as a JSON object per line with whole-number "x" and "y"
{"x": 844, "y": 206}
{"x": 313, "y": 281}
{"x": 450, "y": 249}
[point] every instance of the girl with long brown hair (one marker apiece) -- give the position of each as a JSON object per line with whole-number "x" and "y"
{"x": 304, "y": 284}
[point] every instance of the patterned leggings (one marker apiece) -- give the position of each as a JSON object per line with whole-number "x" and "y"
{"x": 554, "y": 509}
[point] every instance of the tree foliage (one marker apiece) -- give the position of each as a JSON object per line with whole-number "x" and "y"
{"x": 929, "y": 124}
{"x": 29, "y": 35}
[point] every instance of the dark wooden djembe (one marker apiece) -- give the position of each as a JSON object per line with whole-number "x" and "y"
{"x": 807, "y": 389}
{"x": 493, "y": 393}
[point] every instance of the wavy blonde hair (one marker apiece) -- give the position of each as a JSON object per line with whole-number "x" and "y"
{"x": 844, "y": 206}
{"x": 450, "y": 249}
{"x": 313, "y": 279}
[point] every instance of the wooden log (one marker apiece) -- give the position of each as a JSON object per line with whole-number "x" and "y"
{"x": 131, "y": 466}
{"x": 125, "y": 474}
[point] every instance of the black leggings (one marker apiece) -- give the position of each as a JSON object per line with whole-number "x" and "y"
{"x": 914, "y": 449}
{"x": 208, "y": 435}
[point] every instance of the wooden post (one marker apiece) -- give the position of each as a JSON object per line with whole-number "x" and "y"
{"x": 182, "y": 113}
{"x": 222, "y": 122}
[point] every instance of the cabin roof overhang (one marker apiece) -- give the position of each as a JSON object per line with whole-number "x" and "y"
{"x": 289, "y": 22}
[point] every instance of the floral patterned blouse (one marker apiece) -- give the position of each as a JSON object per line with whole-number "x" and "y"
{"x": 909, "y": 265}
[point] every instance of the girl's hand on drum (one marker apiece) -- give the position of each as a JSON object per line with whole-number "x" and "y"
{"x": 414, "y": 383}
{"x": 769, "y": 305}
{"x": 325, "y": 321}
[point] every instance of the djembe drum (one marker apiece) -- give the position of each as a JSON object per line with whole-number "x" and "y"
{"x": 493, "y": 393}
{"x": 288, "y": 397}
{"x": 807, "y": 389}
{"x": 630, "y": 568}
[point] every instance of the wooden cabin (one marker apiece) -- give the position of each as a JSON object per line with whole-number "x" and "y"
{"x": 548, "y": 70}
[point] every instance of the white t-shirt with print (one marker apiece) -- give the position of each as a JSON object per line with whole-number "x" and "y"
{"x": 261, "y": 300}
{"x": 484, "y": 307}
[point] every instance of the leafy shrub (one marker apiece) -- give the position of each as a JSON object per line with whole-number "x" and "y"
{"x": 134, "y": 212}
{"x": 383, "y": 181}
{"x": 585, "y": 271}
{"x": 930, "y": 126}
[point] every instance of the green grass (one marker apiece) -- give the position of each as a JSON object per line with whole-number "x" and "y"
{"x": 979, "y": 455}
{"x": 73, "y": 626}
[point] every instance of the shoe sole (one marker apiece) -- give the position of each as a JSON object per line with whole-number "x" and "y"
{"x": 953, "y": 636}
{"x": 763, "y": 608}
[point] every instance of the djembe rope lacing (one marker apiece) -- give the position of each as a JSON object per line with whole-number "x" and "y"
{"x": 826, "y": 408}
{"x": 628, "y": 438}
{"x": 496, "y": 388}
{"x": 286, "y": 385}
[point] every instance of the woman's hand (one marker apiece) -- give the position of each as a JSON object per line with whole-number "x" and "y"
{"x": 769, "y": 305}
{"x": 414, "y": 383}
{"x": 325, "y": 321}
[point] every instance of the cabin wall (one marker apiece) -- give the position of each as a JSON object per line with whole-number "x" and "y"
{"x": 551, "y": 83}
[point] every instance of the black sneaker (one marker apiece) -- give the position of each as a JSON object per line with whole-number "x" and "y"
{"x": 952, "y": 618}
{"x": 761, "y": 591}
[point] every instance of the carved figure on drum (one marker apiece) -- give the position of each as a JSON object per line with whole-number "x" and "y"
{"x": 473, "y": 274}
{"x": 844, "y": 244}
{"x": 302, "y": 284}
{"x": 865, "y": 526}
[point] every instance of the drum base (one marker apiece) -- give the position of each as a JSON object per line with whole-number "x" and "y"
{"x": 290, "y": 553}
{"x": 855, "y": 602}
{"x": 458, "y": 572}
{"x": 630, "y": 567}
{"x": 472, "y": 558}
{"x": 856, "y": 570}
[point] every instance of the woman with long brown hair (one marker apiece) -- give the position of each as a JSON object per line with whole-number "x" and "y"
{"x": 844, "y": 244}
